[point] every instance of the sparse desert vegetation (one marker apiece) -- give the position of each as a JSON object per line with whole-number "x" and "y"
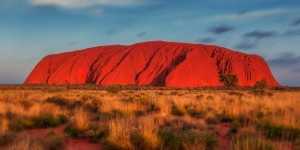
{"x": 149, "y": 119}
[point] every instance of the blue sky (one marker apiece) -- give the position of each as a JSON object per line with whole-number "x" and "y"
{"x": 31, "y": 29}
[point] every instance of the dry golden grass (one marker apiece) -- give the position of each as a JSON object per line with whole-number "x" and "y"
{"x": 130, "y": 112}
{"x": 81, "y": 120}
{"x": 26, "y": 144}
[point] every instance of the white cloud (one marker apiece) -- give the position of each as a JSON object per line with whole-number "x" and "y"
{"x": 239, "y": 16}
{"x": 255, "y": 14}
{"x": 87, "y": 3}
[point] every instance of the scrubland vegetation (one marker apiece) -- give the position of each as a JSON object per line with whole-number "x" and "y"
{"x": 191, "y": 119}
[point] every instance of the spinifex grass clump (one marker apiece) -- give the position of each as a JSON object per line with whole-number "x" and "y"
{"x": 251, "y": 141}
{"x": 178, "y": 135}
{"x": 145, "y": 101}
{"x": 276, "y": 131}
{"x": 41, "y": 121}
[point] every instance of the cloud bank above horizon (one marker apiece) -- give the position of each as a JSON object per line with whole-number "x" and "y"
{"x": 88, "y": 3}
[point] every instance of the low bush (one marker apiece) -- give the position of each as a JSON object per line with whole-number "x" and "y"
{"x": 274, "y": 131}
{"x": 261, "y": 84}
{"x": 178, "y": 134}
{"x": 195, "y": 113}
{"x": 116, "y": 88}
{"x": 41, "y": 121}
{"x": 57, "y": 100}
{"x": 140, "y": 113}
{"x": 176, "y": 111}
{"x": 229, "y": 80}
{"x": 20, "y": 124}
{"x": 93, "y": 105}
{"x": 152, "y": 107}
{"x": 6, "y": 139}
{"x": 225, "y": 118}
{"x": 211, "y": 120}
{"x": 210, "y": 97}
{"x": 95, "y": 132}
{"x": 26, "y": 104}
{"x": 138, "y": 141}
{"x": 72, "y": 130}
{"x": 47, "y": 120}
{"x": 53, "y": 141}
{"x": 235, "y": 93}
{"x": 113, "y": 114}
{"x": 174, "y": 93}
{"x": 198, "y": 97}
{"x": 143, "y": 100}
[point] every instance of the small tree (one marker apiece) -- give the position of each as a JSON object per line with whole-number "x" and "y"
{"x": 261, "y": 84}
{"x": 229, "y": 80}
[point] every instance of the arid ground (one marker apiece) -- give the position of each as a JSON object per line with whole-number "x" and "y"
{"x": 63, "y": 117}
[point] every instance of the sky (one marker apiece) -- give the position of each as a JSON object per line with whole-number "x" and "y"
{"x": 32, "y": 29}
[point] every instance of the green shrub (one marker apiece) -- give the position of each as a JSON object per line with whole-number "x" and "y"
{"x": 152, "y": 107}
{"x": 95, "y": 132}
{"x": 41, "y": 121}
{"x": 195, "y": 113}
{"x": 174, "y": 93}
{"x": 159, "y": 93}
{"x": 198, "y": 97}
{"x": 235, "y": 93}
{"x": 113, "y": 114}
{"x": 229, "y": 80}
{"x": 225, "y": 118}
{"x": 261, "y": 84}
{"x": 172, "y": 140}
{"x": 179, "y": 125}
{"x": 10, "y": 115}
{"x": 53, "y": 141}
{"x": 20, "y": 124}
{"x": 143, "y": 100}
{"x": 273, "y": 131}
{"x": 93, "y": 106}
{"x": 210, "y": 97}
{"x": 47, "y": 120}
{"x": 138, "y": 141}
{"x": 140, "y": 113}
{"x": 57, "y": 100}
{"x": 234, "y": 127}
{"x": 186, "y": 139}
{"x": 26, "y": 104}
{"x": 176, "y": 111}
{"x": 6, "y": 138}
{"x": 211, "y": 120}
{"x": 72, "y": 130}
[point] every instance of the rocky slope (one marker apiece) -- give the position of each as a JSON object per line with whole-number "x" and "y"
{"x": 151, "y": 63}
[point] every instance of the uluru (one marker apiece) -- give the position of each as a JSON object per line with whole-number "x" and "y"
{"x": 155, "y": 63}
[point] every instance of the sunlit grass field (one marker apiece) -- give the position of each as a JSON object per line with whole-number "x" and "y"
{"x": 150, "y": 119}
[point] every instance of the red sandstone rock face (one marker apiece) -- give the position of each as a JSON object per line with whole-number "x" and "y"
{"x": 151, "y": 63}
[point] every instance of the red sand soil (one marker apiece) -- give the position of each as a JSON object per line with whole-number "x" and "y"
{"x": 223, "y": 136}
{"x": 156, "y": 63}
{"x": 70, "y": 144}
